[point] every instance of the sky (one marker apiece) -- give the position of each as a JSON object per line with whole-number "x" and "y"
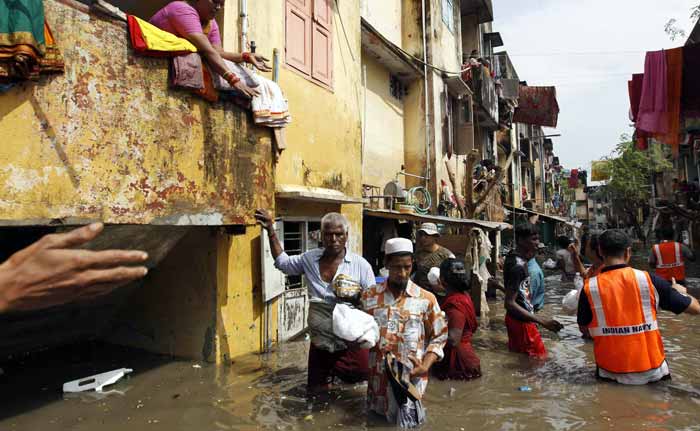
{"x": 588, "y": 49}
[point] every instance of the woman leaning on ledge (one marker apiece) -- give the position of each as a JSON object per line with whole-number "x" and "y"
{"x": 194, "y": 21}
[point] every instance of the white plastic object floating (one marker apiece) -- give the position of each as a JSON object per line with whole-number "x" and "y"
{"x": 96, "y": 382}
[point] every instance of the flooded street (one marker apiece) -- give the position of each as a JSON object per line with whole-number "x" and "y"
{"x": 268, "y": 391}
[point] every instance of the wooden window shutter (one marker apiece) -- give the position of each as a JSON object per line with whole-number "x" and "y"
{"x": 322, "y": 55}
{"x": 322, "y": 13}
{"x": 298, "y": 27}
{"x": 302, "y": 5}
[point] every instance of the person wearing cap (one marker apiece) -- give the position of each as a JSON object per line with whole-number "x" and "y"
{"x": 521, "y": 320}
{"x": 619, "y": 307}
{"x": 411, "y": 327}
{"x": 429, "y": 253}
{"x": 460, "y": 362}
{"x": 322, "y": 267}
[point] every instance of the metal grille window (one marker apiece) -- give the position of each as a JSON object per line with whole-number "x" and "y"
{"x": 397, "y": 88}
{"x": 448, "y": 16}
{"x": 300, "y": 237}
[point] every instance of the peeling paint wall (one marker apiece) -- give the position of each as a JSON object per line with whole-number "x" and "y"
{"x": 109, "y": 140}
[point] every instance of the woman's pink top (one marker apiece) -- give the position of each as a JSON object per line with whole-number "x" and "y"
{"x": 181, "y": 19}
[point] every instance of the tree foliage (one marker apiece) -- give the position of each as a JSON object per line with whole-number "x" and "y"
{"x": 671, "y": 27}
{"x": 630, "y": 171}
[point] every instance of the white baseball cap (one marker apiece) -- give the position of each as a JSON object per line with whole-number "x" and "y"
{"x": 398, "y": 245}
{"x": 429, "y": 229}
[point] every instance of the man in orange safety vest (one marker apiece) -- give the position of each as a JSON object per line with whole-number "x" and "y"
{"x": 669, "y": 256}
{"x": 619, "y": 306}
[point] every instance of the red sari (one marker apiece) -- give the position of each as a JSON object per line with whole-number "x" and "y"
{"x": 460, "y": 362}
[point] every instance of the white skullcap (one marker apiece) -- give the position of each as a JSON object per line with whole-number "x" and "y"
{"x": 398, "y": 245}
{"x": 434, "y": 276}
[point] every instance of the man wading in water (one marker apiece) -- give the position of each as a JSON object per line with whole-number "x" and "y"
{"x": 619, "y": 307}
{"x": 321, "y": 267}
{"x": 521, "y": 322}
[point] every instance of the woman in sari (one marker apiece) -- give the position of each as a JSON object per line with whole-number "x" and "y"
{"x": 194, "y": 20}
{"x": 460, "y": 362}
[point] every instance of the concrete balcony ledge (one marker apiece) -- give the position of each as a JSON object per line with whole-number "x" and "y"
{"x": 314, "y": 194}
{"x": 483, "y": 9}
{"x": 109, "y": 140}
{"x": 388, "y": 54}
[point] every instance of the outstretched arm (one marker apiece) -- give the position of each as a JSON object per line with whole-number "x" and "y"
{"x": 52, "y": 271}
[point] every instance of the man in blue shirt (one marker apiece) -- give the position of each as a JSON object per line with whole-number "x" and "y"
{"x": 321, "y": 266}
{"x": 536, "y": 283}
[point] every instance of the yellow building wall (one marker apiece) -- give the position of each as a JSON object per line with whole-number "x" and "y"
{"x": 241, "y": 319}
{"x": 414, "y": 132}
{"x": 323, "y": 150}
{"x": 323, "y": 140}
{"x": 109, "y": 140}
{"x": 386, "y": 17}
{"x": 384, "y": 123}
{"x": 445, "y": 49}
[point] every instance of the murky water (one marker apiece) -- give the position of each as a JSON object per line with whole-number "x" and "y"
{"x": 268, "y": 392}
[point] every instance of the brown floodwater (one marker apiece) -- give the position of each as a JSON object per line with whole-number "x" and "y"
{"x": 268, "y": 391}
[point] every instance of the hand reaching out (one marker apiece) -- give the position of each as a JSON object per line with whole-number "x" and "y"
{"x": 52, "y": 272}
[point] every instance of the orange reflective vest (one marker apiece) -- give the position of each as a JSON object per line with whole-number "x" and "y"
{"x": 669, "y": 260}
{"x": 624, "y": 328}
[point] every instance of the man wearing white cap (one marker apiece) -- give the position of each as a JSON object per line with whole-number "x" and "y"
{"x": 429, "y": 254}
{"x": 411, "y": 327}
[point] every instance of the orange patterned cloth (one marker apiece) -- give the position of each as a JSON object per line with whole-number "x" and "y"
{"x": 410, "y": 325}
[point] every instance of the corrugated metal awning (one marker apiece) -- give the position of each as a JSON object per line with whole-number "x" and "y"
{"x": 490, "y": 225}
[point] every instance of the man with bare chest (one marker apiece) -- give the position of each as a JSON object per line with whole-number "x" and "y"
{"x": 321, "y": 267}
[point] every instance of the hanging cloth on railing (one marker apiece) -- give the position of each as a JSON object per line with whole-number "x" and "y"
{"x": 537, "y": 106}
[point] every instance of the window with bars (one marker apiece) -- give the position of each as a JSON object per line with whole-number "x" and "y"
{"x": 308, "y": 39}
{"x": 299, "y": 237}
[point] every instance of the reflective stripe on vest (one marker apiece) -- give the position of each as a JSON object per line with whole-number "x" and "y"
{"x": 603, "y": 330}
{"x": 660, "y": 261}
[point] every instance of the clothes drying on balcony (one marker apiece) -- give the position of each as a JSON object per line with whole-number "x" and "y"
{"x": 537, "y": 106}
{"x": 147, "y": 39}
{"x": 634, "y": 87}
{"x": 27, "y": 46}
{"x": 660, "y": 103}
{"x": 270, "y": 108}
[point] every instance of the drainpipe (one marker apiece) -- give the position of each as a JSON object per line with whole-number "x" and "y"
{"x": 425, "y": 81}
{"x": 244, "y": 25}
{"x": 364, "y": 118}
{"x": 544, "y": 188}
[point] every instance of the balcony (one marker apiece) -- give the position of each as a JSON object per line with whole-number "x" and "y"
{"x": 485, "y": 97}
{"x": 483, "y": 9}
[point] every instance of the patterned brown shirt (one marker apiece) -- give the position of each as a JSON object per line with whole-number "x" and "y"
{"x": 410, "y": 325}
